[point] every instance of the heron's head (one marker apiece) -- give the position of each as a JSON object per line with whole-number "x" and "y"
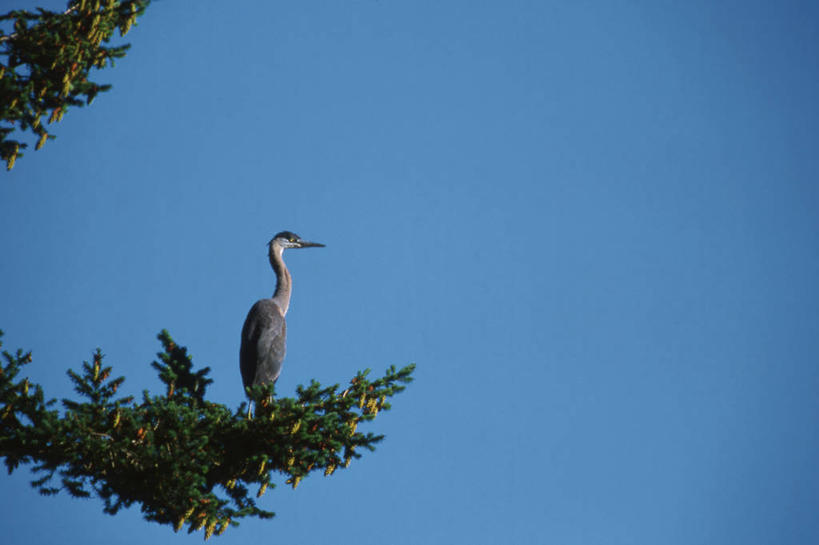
{"x": 287, "y": 239}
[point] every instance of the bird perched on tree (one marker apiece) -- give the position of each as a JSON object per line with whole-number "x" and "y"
{"x": 263, "y": 335}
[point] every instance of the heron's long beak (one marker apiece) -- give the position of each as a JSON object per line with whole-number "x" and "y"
{"x": 306, "y": 244}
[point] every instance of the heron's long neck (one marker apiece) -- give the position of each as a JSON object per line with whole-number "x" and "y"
{"x": 284, "y": 283}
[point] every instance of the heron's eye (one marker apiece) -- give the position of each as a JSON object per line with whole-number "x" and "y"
{"x": 292, "y": 239}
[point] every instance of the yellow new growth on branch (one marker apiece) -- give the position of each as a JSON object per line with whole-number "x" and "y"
{"x": 201, "y": 522}
{"x": 209, "y": 529}
{"x": 13, "y": 157}
{"x": 123, "y": 30}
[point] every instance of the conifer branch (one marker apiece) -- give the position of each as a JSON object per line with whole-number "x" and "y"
{"x": 182, "y": 459}
{"x": 45, "y": 64}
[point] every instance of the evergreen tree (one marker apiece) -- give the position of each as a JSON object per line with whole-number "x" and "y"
{"x": 45, "y": 62}
{"x": 183, "y": 459}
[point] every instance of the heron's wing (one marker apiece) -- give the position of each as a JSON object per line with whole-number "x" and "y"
{"x": 263, "y": 344}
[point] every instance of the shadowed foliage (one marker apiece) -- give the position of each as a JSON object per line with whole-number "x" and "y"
{"x": 181, "y": 458}
{"x": 45, "y": 60}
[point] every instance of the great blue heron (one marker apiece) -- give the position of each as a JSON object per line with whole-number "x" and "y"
{"x": 263, "y": 335}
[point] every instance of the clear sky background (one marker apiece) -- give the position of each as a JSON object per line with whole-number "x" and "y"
{"x": 593, "y": 226}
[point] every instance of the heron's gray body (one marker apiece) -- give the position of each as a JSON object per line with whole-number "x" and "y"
{"x": 264, "y": 343}
{"x": 264, "y": 334}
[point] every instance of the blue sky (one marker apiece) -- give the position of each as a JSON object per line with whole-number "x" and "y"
{"x": 592, "y": 226}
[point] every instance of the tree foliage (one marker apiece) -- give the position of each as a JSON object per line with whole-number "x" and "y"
{"x": 45, "y": 61}
{"x": 184, "y": 460}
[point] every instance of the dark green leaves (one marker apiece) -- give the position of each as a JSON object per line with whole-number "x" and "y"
{"x": 45, "y": 63}
{"x": 175, "y": 370}
{"x": 183, "y": 459}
